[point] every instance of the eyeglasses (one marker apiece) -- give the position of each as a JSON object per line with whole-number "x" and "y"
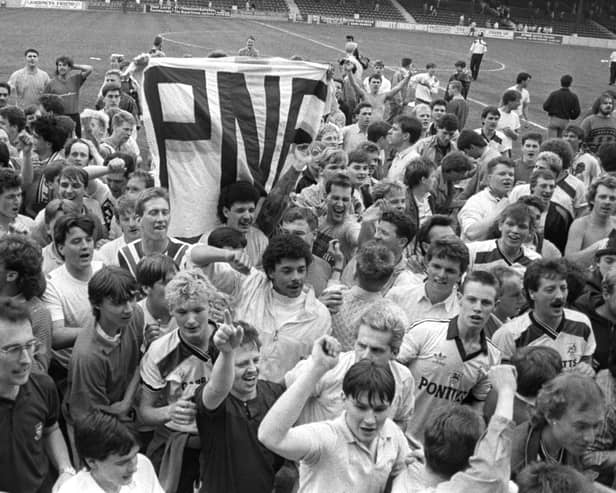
{"x": 14, "y": 352}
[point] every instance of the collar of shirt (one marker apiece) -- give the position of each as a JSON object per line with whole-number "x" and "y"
{"x": 346, "y": 432}
{"x": 447, "y": 302}
{"x": 454, "y": 333}
{"x": 109, "y": 340}
{"x": 402, "y": 154}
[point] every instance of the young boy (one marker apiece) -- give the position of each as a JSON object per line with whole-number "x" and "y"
{"x": 516, "y": 225}
{"x": 230, "y": 408}
{"x": 153, "y": 274}
{"x": 126, "y": 216}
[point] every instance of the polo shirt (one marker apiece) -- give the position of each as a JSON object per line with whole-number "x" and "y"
{"x": 417, "y": 306}
{"x": 232, "y": 458}
{"x": 443, "y": 372}
{"x": 176, "y": 367}
{"x": 495, "y": 142}
{"x": 101, "y": 369}
{"x": 337, "y": 462}
{"x": 327, "y": 398}
{"x": 130, "y": 255}
{"x": 573, "y": 338}
{"x": 484, "y": 252}
{"x": 24, "y": 423}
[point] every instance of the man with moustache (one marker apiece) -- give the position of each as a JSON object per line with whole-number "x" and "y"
{"x": 600, "y": 128}
{"x": 549, "y": 323}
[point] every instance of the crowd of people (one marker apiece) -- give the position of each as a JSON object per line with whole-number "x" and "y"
{"x": 416, "y": 306}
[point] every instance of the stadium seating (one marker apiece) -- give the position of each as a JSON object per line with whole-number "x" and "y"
{"x": 347, "y": 8}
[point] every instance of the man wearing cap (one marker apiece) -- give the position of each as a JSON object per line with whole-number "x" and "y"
{"x": 379, "y": 67}
{"x": 478, "y": 49}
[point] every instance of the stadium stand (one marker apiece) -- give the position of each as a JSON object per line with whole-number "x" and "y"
{"x": 337, "y": 8}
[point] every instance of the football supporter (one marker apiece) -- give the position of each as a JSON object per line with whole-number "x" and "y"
{"x": 403, "y": 135}
{"x": 394, "y": 230}
{"x": 549, "y": 323}
{"x": 381, "y": 328}
{"x": 437, "y": 146}
{"x": 375, "y": 264}
{"x": 481, "y": 210}
{"x": 436, "y": 298}
{"x": 66, "y": 295}
{"x": 11, "y": 221}
{"x": 126, "y": 216}
{"x": 153, "y": 274}
{"x": 454, "y": 168}
{"x": 540, "y": 476}
{"x": 236, "y": 208}
{"x": 516, "y": 225}
{"x": 511, "y": 299}
{"x": 30, "y": 409}
{"x": 490, "y": 117}
{"x": 172, "y": 369}
{"x": 29, "y": 82}
{"x": 569, "y": 410}
{"x": 425, "y": 84}
{"x": 588, "y": 230}
{"x": 509, "y": 121}
{"x": 561, "y": 106}
{"x": 23, "y": 280}
{"x": 435, "y": 227}
{"x": 521, "y": 85}
{"x": 419, "y": 177}
{"x": 525, "y": 165}
{"x": 103, "y": 369}
{"x": 457, "y": 105}
{"x": 122, "y": 136}
{"x": 450, "y": 359}
{"x": 600, "y": 128}
{"x": 152, "y": 210}
{"x": 356, "y": 133}
{"x": 112, "y": 462}
{"x": 477, "y": 149}
{"x": 53, "y": 211}
{"x": 461, "y": 454}
{"x": 230, "y": 407}
{"x": 585, "y": 165}
{"x": 335, "y": 455}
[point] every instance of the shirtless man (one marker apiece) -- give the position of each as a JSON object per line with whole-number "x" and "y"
{"x": 373, "y": 97}
{"x": 587, "y": 230}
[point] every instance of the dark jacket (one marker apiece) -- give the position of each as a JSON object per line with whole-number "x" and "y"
{"x": 562, "y": 104}
{"x": 601, "y": 327}
{"x": 525, "y": 449}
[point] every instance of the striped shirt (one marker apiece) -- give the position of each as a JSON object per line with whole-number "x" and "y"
{"x": 484, "y": 252}
{"x": 443, "y": 371}
{"x": 176, "y": 367}
{"x": 130, "y": 255}
{"x": 573, "y": 339}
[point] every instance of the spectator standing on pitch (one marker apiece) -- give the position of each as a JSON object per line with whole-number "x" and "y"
{"x": 600, "y": 128}
{"x": 249, "y": 49}
{"x": 521, "y": 85}
{"x": 478, "y": 49}
{"x": 67, "y": 86}
{"x": 463, "y": 76}
{"x": 29, "y": 82}
{"x": 561, "y": 106}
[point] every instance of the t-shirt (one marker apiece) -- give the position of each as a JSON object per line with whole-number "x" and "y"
{"x": 525, "y": 99}
{"x": 67, "y": 300}
{"x": 573, "y": 338}
{"x": 433, "y": 351}
{"x": 233, "y": 460}
{"x": 178, "y": 368}
{"x": 511, "y": 120}
{"x": 23, "y": 460}
{"x": 28, "y": 86}
{"x": 68, "y": 90}
{"x": 108, "y": 253}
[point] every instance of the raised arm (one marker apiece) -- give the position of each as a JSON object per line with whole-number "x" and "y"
{"x": 226, "y": 339}
{"x": 85, "y": 70}
{"x": 275, "y": 431}
{"x": 399, "y": 86}
{"x": 356, "y": 87}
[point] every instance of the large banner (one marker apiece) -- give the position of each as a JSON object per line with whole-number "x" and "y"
{"x": 53, "y": 4}
{"x": 212, "y": 121}
{"x": 553, "y": 39}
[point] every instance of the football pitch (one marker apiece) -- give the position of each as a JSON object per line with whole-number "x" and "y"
{"x": 91, "y": 36}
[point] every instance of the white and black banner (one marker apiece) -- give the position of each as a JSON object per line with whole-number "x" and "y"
{"x": 212, "y": 121}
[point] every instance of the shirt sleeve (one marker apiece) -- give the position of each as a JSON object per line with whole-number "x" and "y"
{"x": 149, "y": 372}
{"x": 503, "y": 339}
{"x": 597, "y": 455}
{"x": 411, "y": 344}
{"x": 53, "y": 301}
{"x": 53, "y": 403}
{"x": 319, "y": 439}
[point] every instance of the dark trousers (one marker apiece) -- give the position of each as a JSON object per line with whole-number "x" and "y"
{"x": 612, "y": 72}
{"x": 475, "y": 64}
